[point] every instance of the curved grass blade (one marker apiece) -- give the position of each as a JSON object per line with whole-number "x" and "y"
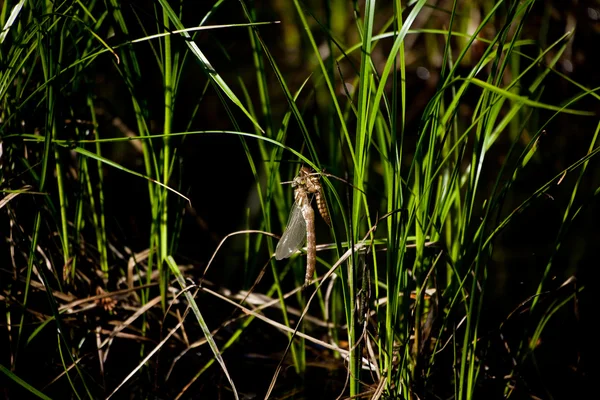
{"x": 210, "y": 71}
{"x": 526, "y": 100}
{"x": 192, "y": 303}
{"x": 21, "y": 382}
{"x": 11, "y": 19}
{"x": 95, "y": 156}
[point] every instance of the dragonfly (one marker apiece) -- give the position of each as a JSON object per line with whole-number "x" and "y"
{"x": 302, "y": 221}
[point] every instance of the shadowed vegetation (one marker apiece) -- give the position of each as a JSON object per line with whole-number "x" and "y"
{"x": 144, "y": 151}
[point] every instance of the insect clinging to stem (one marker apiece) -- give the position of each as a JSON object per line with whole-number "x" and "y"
{"x": 302, "y": 220}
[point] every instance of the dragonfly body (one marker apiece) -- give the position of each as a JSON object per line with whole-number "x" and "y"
{"x": 313, "y": 185}
{"x": 311, "y": 241}
{"x": 302, "y": 221}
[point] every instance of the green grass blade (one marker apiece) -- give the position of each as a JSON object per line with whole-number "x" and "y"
{"x": 22, "y": 383}
{"x": 192, "y": 303}
{"x": 207, "y": 67}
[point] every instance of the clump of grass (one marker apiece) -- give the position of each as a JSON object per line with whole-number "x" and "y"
{"x": 431, "y": 174}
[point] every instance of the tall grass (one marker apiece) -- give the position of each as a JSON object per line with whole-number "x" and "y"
{"x": 431, "y": 172}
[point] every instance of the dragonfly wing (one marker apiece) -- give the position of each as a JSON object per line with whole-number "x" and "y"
{"x": 294, "y": 235}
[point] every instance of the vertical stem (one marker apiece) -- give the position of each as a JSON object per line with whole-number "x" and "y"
{"x": 54, "y": 98}
{"x": 361, "y": 151}
{"x": 168, "y": 88}
{"x": 47, "y": 70}
{"x": 101, "y": 222}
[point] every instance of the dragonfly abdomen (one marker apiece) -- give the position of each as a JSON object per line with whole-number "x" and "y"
{"x": 311, "y": 241}
{"x": 322, "y": 206}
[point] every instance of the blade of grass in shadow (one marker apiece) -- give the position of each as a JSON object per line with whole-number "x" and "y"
{"x": 192, "y": 303}
{"x": 567, "y": 218}
{"x": 15, "y": 378}
{"x": 63, "y": 341}
{"x": 41, "y": 188}
{"x": 131, "y": 72}
{"x": 98, "y": 213}
{"x": 528, "y": 344}
{"x": 470, "y": 367}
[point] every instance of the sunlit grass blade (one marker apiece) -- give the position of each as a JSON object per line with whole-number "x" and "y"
{"x": 207, "y": 67}
{"x": 113, "y": 164}
{"x": 192, "y": 303}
